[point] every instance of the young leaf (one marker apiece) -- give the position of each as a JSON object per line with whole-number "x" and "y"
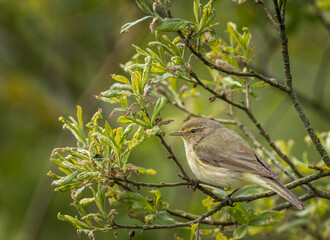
{"x": 239, "y": 214}
{"x": 197, "y": 10}
{"x": 231, "y": 27}
{"x": 74, "y": 221}
{"x": 65, "y": 180}
{"x": 240, "y": 232}
{"x": 149, "y": 218}
{"x": 172, "y": 25}
{"x": 100, "y": 197}
{"x": 146, "y": 72}
{"x": 294, "y": 224}
{"x": 160, "y": 104}
{"x": 120, "y": 78}
{"x": 127, "y": 26}
{"x": 192, "y": 230}
{"x": 144, "y": 7}
{"x": 267, "y": 218}
{"x": 147, "y": 171}
{"x": 230, "y": 82}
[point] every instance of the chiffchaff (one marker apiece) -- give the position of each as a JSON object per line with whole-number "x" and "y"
{"x": 220, "y": 156}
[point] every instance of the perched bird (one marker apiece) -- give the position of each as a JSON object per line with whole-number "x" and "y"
{"x": 221, "y": 157}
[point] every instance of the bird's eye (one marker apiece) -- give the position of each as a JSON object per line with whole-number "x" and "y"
{"x": 193, "y": 130}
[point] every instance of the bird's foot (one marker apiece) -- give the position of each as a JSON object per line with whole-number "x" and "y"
{"x": 192, "y": 182}
{"x": 195, "y": 183}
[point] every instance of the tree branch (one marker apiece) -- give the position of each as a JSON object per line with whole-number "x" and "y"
{"x": 269, "y": 14}
{"x": 288, "y": 83}
{"x": 252, "y": 73}
{"x": 190, "y": 216}
{"x": 168, "y": 148}
{"x": 176, "y": 225}
{"x": 316, "y": 141}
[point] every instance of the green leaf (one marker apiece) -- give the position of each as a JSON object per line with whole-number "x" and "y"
{"x": 144, "y": 7}
{"x": 231, "y": 27}
{"x": 140, "y": 51}
{"x": 230, "y": 82}
{"x": 157, "y": 198}
{"x": 240, "y": 232}
{"x": 174, "y": 47}
{"x": 153, "y": 131}
{"x": 172, "y": 25}
{"x": 163, "y": 46}
{"x": 239, "y": 214}
{"x": 136, "y": 80}
{"x": 86, "y": 201}
{"x": 160, "y": 104}
{"x": 127, "y": 26}
{"x": 126, "y": 132}
{"x": 267, "y": 218}
{"x": 192, "y": 230}
{"x": 74, "y": 221}
{"x": 163, "y": 216}
{"x": 245, "y": 41}
{"x": 295, "y": 224}
{"x": 147, "y": 171}
{"x": 65, "y": 180}
{"x": 100, "y": 197}
{"x": 156, "y": 57}
{"x": 259, "y": 84}
{"x": 131, "y": 196}
{"x": 79, "y": 208}
{"x": 146, "y": 72}
{"x": 197, "y": 10}
{"x": 207, "y": 9}
{"x": 120, "y": 78}
{"x": 149, "y": 218}
{"x": 76, "y": 129}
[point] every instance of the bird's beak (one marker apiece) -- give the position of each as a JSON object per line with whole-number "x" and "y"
{"x": 176, "y": 134}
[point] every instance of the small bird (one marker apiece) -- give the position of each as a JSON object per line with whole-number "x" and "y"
{"x": 221, "y": 157}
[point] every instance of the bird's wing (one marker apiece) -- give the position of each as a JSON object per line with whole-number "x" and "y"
{"x": 228, "y": 150}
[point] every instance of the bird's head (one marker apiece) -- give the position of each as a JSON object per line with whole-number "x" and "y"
{"x": 196, "y": 129}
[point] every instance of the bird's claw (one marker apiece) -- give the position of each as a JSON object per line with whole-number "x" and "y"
{"x": 195, "y": 184}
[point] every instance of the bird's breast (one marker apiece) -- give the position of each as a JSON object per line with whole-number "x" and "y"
{"x": 213, "y": 174}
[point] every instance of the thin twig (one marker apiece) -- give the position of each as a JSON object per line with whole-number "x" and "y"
{"x": 217, "y": 95}
{"x": 185, "y": 176}
{"x": 190, "y": 216}
{"x": 168, "y": 148}
{"x": 175, "y": 225}
{"x": 191, "y": 114}
{"x": 315, "y": 139}
{"x": 269, "y": 14}
{"x": 252, "y": 73}
{"x": 284, "y": 44}
{"x": 288, "y": 83}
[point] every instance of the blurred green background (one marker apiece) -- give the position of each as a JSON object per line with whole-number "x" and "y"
{"x": 57, "y": 54}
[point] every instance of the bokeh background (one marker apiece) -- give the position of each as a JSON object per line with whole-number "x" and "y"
{"x": 55, "y": 55}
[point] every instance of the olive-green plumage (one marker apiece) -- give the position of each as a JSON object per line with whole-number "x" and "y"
{"x": 220, "y": 156}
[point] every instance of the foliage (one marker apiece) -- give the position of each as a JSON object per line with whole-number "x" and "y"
{"x": 99, "y": 172}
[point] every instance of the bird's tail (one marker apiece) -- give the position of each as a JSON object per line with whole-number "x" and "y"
{"x": 281, "y": 190}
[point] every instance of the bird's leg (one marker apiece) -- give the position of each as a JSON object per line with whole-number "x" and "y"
{"x": 227, "y": 197}
{"x": 193, "y": 181}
